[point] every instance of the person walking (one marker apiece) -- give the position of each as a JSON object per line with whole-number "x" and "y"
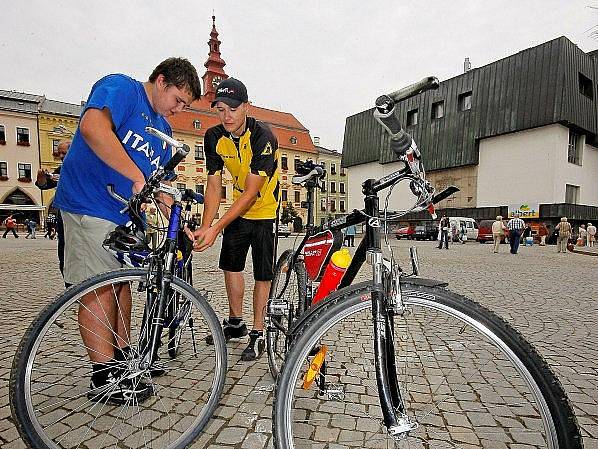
{"x": 47, "y": 181}
{"x": 591, "y": 235}
{"x": 31, "y": 227}
{"x": 151, "y": 232}
{"x": 515, "y": 226}
{"x": 350, "y": 232}
{"x": 249, "y": 150}
{"x": 564, "y": 229}
{"x": 10, "y": 224}
{"x": 526, "y": 235}
{"x": 443, "y": 229}
{"x": 582, "y": 236}
{"x": 498, "y": 232}
{"x": 542, "y": 233}
{"x": 112, "y": 146}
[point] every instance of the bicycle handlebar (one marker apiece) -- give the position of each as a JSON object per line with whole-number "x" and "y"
{"x": 428, "y": 83}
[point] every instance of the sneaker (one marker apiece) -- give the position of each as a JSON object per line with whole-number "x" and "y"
{"x": 255, "y": 348}
{"x": 119, "y": 391}
{"x": 230, "y": 331}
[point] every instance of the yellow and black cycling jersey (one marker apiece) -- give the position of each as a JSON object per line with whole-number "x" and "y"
{"x": 256, "y": 152}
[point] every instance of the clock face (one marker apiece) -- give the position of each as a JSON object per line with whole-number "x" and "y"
{"x": 216, "y": 80}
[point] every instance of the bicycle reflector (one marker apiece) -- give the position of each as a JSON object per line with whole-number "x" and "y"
{"x": 314, "y": 367}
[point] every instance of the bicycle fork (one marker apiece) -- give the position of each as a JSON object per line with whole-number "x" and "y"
{"x": 392, "y": 403}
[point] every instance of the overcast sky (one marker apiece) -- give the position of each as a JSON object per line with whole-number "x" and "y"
{"x": 319, "y": 60}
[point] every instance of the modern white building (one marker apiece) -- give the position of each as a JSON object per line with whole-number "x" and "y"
{"x": 520, "y": 133}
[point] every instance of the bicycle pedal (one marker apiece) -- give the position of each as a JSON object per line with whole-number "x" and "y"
{"x": 333, "y": 392}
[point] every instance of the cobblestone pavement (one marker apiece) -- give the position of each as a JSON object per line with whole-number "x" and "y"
{"x": 551, "y": 298}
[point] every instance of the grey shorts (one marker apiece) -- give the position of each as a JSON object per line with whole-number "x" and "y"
{"x": 84, "y": 255}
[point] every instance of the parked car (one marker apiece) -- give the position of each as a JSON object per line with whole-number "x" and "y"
{"x": 426, "y": 232}
{"x": 406, "y": 232}
{"x": 485, "y": 232}
{"x": 469, "y": 224}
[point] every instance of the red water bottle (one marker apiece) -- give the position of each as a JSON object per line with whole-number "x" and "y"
{"x": 339, "y": 262}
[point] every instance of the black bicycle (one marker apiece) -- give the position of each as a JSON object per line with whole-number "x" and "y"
{"x": 156, "y": 314}
{"x": 400, "y": 361}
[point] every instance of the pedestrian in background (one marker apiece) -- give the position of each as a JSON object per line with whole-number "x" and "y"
{"x": 350, "y": 232}
{"x": 498, "y": 231}
{"x": 542, "y": 233}
{"x": 47, "y": 181}
{"x": 526, "y": 236}
{"x": 151, "y": 232}
{"x": 443, "y": 229}
{"x": 591, "y": 235}
{"x": 582, "y": 235}
{"x": 564, "y": 229}
{"x": 31, "y": 227}
{"x": 515, "y": 226}
{"x": 10, "y": 224}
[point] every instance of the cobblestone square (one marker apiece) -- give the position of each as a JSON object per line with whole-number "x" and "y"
{"x": 550, "y": 298}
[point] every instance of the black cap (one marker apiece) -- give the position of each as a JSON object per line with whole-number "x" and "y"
{"x": 232, "y": 92}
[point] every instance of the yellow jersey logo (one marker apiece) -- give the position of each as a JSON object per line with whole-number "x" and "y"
{"x": 267, "y": 150}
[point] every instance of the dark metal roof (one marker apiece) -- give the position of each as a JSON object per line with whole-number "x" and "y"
{"x": 535, "y": 87}
{"x": 21, "y": 96}
{"x": 59, "y": 107}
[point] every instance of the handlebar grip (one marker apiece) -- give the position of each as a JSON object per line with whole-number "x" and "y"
{"x": 176, "y": 158}
{"x": 164, "y": 137}
{"x": 197, "y": 197}
{"x": 428, "y": 83}
{"x": 400, "y": 141}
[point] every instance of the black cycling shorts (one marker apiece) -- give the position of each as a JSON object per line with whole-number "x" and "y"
{"x": 238, "y": 237}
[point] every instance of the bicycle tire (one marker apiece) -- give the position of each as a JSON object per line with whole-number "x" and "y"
{"x": 50, "y": 378}
{"x": 451, "y": 417}
{"x": 174, "y": 338}
{"x": 290, "y": 286}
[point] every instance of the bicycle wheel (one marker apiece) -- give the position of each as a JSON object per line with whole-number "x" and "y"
{"x": 50, "y": 377}
{"x": 179, "y": 314}
{"x": 468, "y": 380}
{"x": 288, "y": 287}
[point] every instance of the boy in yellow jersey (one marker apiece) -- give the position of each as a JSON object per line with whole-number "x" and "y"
{"x": 249, "y": 151}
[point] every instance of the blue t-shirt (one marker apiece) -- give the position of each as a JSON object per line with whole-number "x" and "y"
{"x": 84, "y": 177}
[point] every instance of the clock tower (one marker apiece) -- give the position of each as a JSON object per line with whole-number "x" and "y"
{"x": 214, "y": 65}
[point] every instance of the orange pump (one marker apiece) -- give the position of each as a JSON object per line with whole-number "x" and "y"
{"x": 339, "y": 262}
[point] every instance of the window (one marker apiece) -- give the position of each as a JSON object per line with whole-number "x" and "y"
{"x": 199, "y": 188}
{"x": 285, "y": 195}
{"x": 196, "y": 124}
{"x": 297, "y": 196}
{"x": 23, "y": 136}
{"x": 332, "y": 168}
{"x": 571, "y": 194}
{"x": 181, "y": 186}
{"x": 2, "y": 135}
{"x": 333, "y": 205}
{"x": 323, "y": 204}
{"x": 223, "y": 194}
{"x": 55, "y": 143}
{"x": 343, "y": 172}
{"x": 323, "y": 164}
{"x": 412, "y": 117}
{"x": 199, "y": 152}
{"x": 574, "y": 149}
{"x": 585, "y": 86}
{"x": 293, "y": 140}
{"x": 4, "y": 170}
{"x": 297, "y": 162}
{"x": 342, "y": 205}
{"x": 332, "y": 187}
{"x": 341, "y": 187}
{"x": 438, "y": 110}
{"x": 24, "y": 171}
{"x": 465, "y": 101}
{"x": 284, "y": 162}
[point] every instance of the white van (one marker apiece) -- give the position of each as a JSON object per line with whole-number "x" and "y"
{"x": 469, "y": 224}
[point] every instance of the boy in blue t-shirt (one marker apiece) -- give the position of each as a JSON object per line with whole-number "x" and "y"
{"x": 111, "y": 146}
